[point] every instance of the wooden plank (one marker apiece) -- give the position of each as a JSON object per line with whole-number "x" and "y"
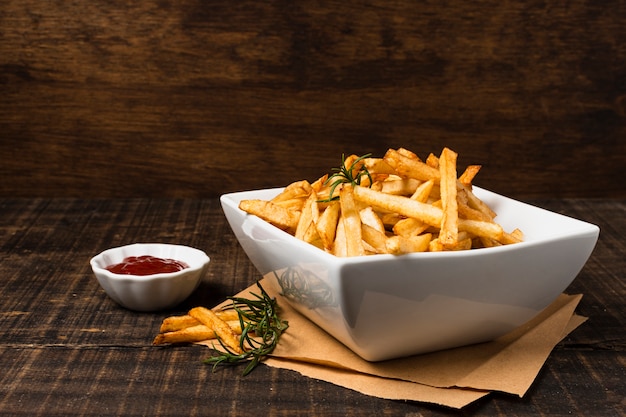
{"x": 153, "y": 98}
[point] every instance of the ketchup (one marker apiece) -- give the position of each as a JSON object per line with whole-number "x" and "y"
{"x": 146, "y": 265}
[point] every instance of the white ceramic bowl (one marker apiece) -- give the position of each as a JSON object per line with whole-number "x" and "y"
{"x": 385, "y": 306}
{"x": 150, "y": 292}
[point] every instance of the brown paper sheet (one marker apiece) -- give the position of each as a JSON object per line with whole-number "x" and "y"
{"x": 453, "y": 378}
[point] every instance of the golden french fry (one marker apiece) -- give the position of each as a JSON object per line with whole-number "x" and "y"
{"x": 448, "y": 235}
{"x": 398, "y": 245}
{"x": 192, "y": 334}
{"x": 411, "y": 167}
{"x": 306, "y": 216}
{"x": 409, "y": 227}
{"x": 319, "y": 183}
{"x": 377, "y": 166}
{"x": 476, "y": 202}
{"x": 481, "y": 229}
{"x": 280, "y": 217}
{"x": 351, "y": 221}
{"x": 398, "y": 204}
{"x": 515, "y": 236}
{"x": 326, "y": 224}
{"x": 468, "y": 175}
{"x": 298, "y": 189}
{"x": 432, "y": 160}
{"x": 369, "y": 217}
{"x": 400, "y": 186}
{"x": 376, "y": 239}
{"x": 340, "y": 247}
{"x": 422, "y": 193}
{"x": 466, "y": 212}
{"x": 391, "y": 219}
{"x": 221, "y": 328}
{"x": 293, "y": 204}
{"x": 173, "y": 323}
{"x": 407, "y": 153}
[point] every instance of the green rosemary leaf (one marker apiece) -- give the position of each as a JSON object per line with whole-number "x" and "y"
{"x": 348, "y": 175}
{"x": 261, "y": 329}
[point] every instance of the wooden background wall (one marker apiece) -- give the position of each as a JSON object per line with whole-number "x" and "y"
{"x": 194, "y": 98}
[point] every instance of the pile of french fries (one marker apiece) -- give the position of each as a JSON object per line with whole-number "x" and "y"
{"x": 201, "y": 324}
{"x": 403, "y": 205}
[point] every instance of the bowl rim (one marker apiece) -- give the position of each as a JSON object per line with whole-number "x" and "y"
{"x": 586, "y": 229}
{"x": 97, "y": 269}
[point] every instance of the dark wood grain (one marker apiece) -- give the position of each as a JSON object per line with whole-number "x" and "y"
{"x": 196, "y": 98}
{"x": 68, "y": 350}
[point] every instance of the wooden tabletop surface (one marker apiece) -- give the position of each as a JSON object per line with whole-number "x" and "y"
{"x": 67, "y": 349}
{"x": 124, "y": 121}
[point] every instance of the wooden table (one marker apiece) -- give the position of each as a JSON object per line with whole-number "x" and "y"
{"x": 67, "y": 349}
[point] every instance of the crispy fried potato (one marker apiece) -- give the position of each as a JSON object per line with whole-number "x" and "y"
{"x": 449, "y": 229}
{"x": 398, "y": 245}
{"x": 273, "y": 213}
{"x": 221, "y": 328}
{"x": 305, "y": 222}
{"x": 192, "y": 334}
{"x": 173, "y": 323}
{"x": 376, "y": 239}
{"x": 298, "y": 189}
{"x": 326, "y": 225}
{"x": 351, "y": 221}
{"x": 468, "y": 175}
{"x": 411, "y": 167}
{"x": 398, "y": 204}
{"x": 401, "y": 202}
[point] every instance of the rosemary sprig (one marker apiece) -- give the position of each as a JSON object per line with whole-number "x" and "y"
{"x": 352, "y": 175}
{"x": 261, "y": 329}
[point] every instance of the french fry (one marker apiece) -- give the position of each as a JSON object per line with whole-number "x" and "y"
{"x": 351, "y": 221}
{"x": 340, "y": 245}
{"x": 432, "y": 161}
{"x": 221, "y": 328}
{"x": 422, "y": 192}
{"x": 280, "y": 217}
{"x": 376, "y": 239}
{"x": 411, "y": 167}
{"x": 378, "y": 166}
{"x": 409, "y": 227}
{"x": 468, "y": 175}
{"x": 400, "y": 186}
{"x": 482, "y": 229}
{"x": 448, "y": 235}
{"x": 326, "y": 224}
{"x": 306, "y": 217}
{"x": 407, "y": 153}
{"x": 192, "y": 334}
{"x": 476, "y": 202}
{"x": 398, "y": 204}
{"x": 369, "y": 217}
{"x": 295, "y": 190}
{"x": 173, "y": 323}
{"x": 398, "y": 245}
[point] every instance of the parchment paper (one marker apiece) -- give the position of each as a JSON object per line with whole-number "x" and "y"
{"x": 453, "y": 377}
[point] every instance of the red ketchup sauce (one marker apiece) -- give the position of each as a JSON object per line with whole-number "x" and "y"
{"x": 146, "y": 265}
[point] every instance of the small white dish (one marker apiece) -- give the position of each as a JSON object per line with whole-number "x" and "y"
{"x": 385, "y": 306}
{"x": 150, "y": 292}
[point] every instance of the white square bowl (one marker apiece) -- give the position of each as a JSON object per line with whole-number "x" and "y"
{"x": 385, "y": 306}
